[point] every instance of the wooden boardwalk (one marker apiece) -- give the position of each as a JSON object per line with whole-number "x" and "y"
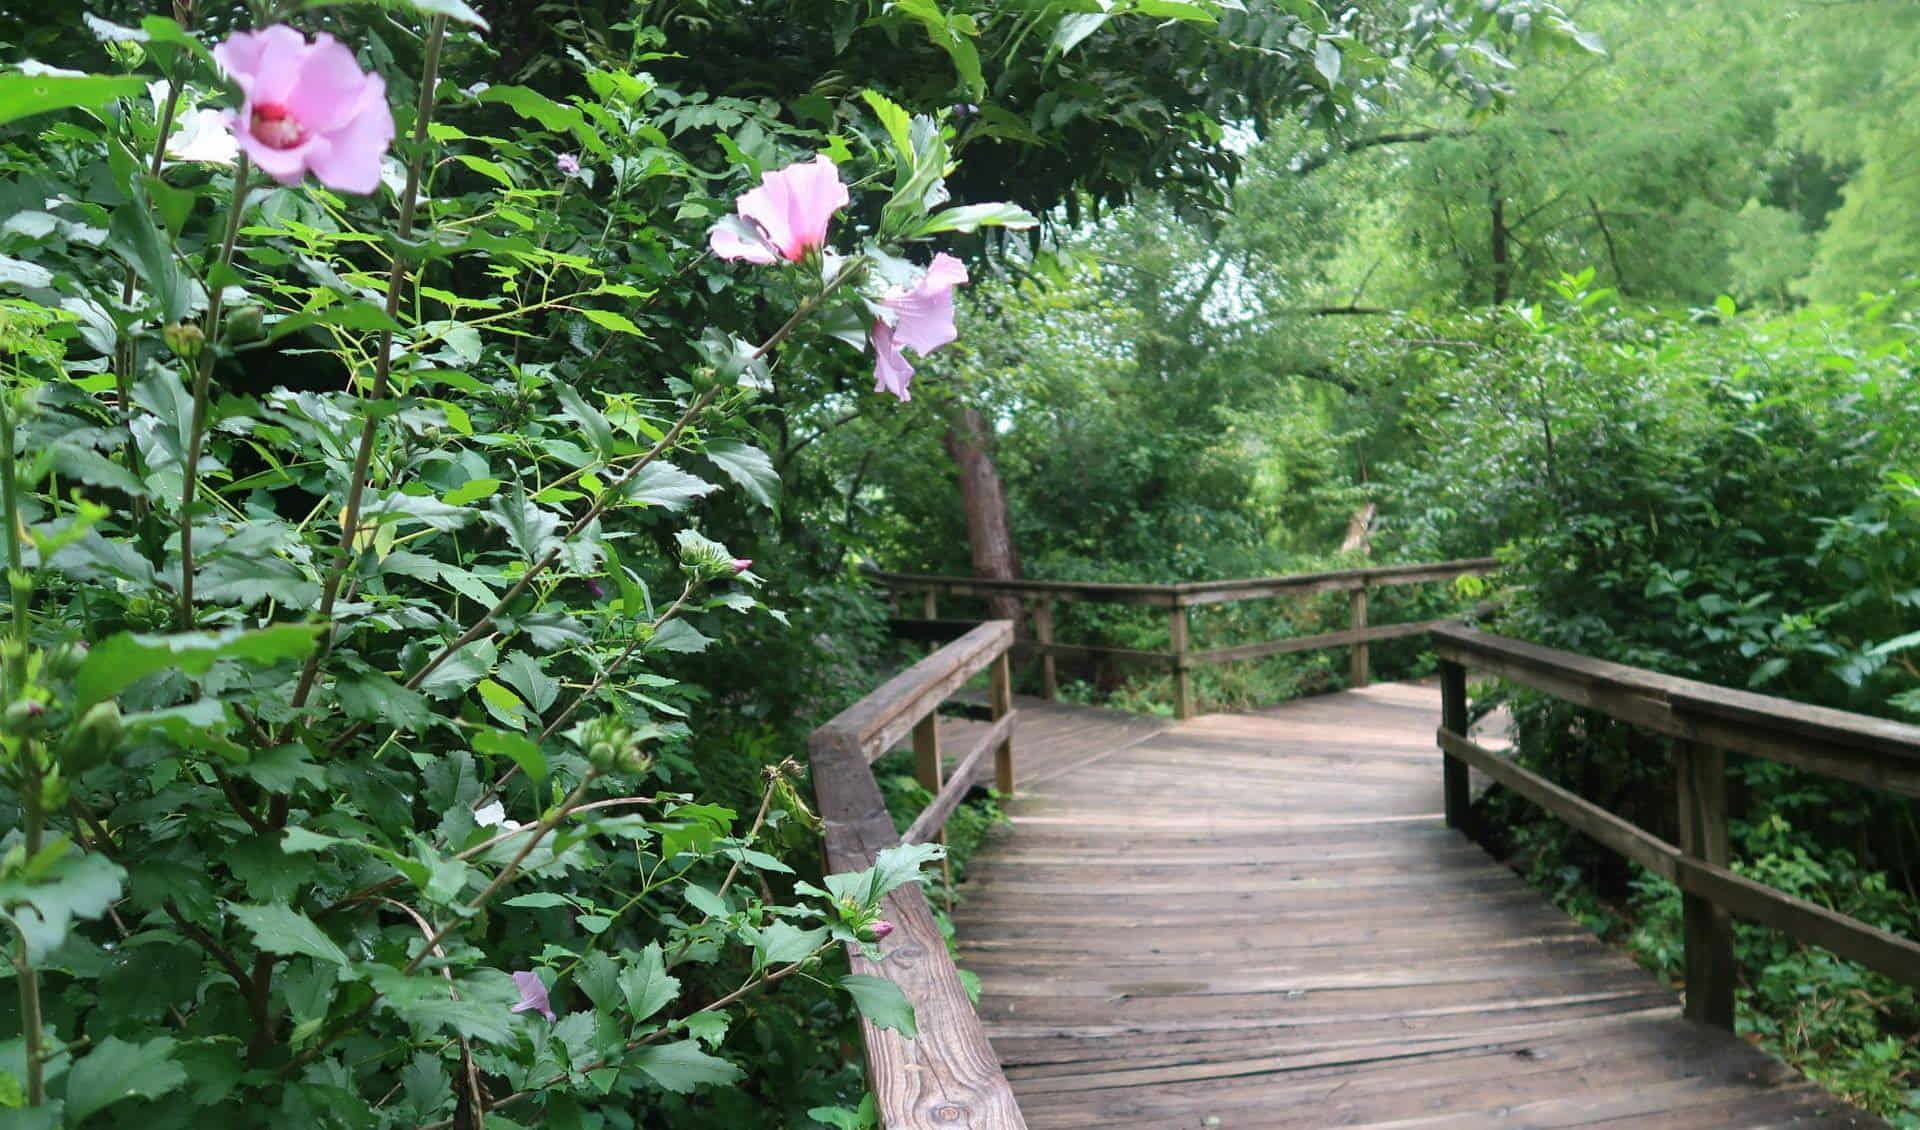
{"x": 1260, "y": 920}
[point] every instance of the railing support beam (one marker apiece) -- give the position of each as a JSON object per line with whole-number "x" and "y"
{"x": 1179, "y": 645}
{"x": 1359, "y": 672}
{"x": 1002, "y": 700}
{"x": 1043, "y": 632}
{"x": 1453, "y": 716}
{"x": 1701, "y": 777}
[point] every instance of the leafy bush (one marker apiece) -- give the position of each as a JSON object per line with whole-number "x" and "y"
{"x": 355, "y": 745}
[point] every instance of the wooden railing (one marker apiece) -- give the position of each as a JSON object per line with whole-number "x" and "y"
{"x": 947, "y": 1077}
{"x": 1707, "y": 722}
{"x": 1180, "y": 657}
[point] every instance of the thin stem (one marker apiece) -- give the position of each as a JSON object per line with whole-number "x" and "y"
{"x": 202, "y": 381}
{"x": 35, "y": 824}
{"x": 383, "y": 359}
{"x": 547, "y": 824}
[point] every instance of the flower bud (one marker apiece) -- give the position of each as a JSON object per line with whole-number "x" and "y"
{"x": 741, "y": 565}
{"x": 881, "y": 929}
{"x": 185, "y": 339}
{"x": 93, "y": 739}
{"x": 243, "y": 325}
{"x": 64, "y": 660}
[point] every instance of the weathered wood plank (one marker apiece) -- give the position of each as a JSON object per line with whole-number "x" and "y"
{"x": 1852, "y": 747}
{"x": 960, "y": 782}
{"x": 879, "y": 721}
{"x": 1261, "y": 921}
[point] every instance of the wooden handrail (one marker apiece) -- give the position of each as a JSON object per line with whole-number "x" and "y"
{"x": 1708, "y": 721}
{"x": 947, "y": 1077}
{"x": 1181, "y": 657}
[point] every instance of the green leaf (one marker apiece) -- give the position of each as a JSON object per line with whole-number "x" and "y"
{"x": 618, "y": 323}
{"x": 282, "y": 929}
{"x": 119, "y": 661}
{"x": 646, "y": 984}
{"x": 116, "y": 1070}
{"x": 524, "y": 751}
{"x": 452, "y": 9}
{"x": 132, "y": 234}
{"x": 881, "y": 1002}
{"x": 682, "y": 1067}
{"x": 1073, "y": 28}
{"x": 665, "y": 485}
{"x": 25, "y": 95}
{"x": 783, "y": 943}
{"x": 46, "y": 899}
{"x": 749, "y": 468}
{"x": 588, "y": 417}
{"x": 970, "y": 218}
{"x": 533, "y": 531}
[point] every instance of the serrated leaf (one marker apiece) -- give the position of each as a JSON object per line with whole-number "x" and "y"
{"x": 116, "y": 1069}
{"x": 647, "y": 985}
{"x": 69, "y": 886}
{"x": 119, "y": 661}
{"x": 284, "y": 930}
{"x": 882, "y": 1003}
{"x": 749, "y": 468}
{"x": 665, "y": 485}
{"x": 681, "y": 1067}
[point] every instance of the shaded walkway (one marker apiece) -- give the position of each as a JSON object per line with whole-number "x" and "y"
{"x": 1260, "y": 920}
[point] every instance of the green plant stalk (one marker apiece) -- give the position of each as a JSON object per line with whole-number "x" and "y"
{"x": 202, "y": 381}
{"x": 10, "y": 512}
{"x": 383, "y": 360}
{"x": 35, "y": 819}
{"x": 129, "y": 351}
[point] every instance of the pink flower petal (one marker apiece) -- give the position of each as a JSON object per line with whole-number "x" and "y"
{"x": 330, "y": 90}
{"x": 793, "y": 207}
{"x": 309, "y": 108}
{"x": 891, "y": 373}
{"x": 352, "y": 161}
{"x": 729, "y": 242}
{"x": 287, "y": 166}
{"x": 533, "y": 995}
{"x": 923, "y": 316}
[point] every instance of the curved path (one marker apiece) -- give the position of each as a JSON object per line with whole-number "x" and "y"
{"x": 1260, "y": 920}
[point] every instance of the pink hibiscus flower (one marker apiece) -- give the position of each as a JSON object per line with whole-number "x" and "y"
{"x": 919, "y": 318}
{"x": 785, "y": 217}
{"x": 308, "y": 108}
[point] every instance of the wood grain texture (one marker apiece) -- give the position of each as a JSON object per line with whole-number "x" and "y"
{"x": 947, "y": 1077}
{"x": 1260, "y": 921}
{"x": 1854, "y": 747}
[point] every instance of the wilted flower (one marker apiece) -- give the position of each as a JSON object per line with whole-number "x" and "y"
{"x": 308, "y": 108}
{"x": 742, "y": 564}
{"x": 568, "y": 164}
{"x": 921, "y": 320}
{"x": 785, "y": 217}
{"x": 533, "y": 995}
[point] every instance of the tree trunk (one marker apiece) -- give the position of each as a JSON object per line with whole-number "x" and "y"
{"x": 1502, "y": 268}
{"x": 969, "y": 441}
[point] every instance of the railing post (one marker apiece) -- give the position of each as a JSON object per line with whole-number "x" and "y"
{"x": 930, "y": 604}
{"x": 1358, "y": 673}
{"x": 930, "y": 769}
{"x": 1182, "y": 677}
{"x": 1453, "y": 716}
{"x": 1043, "y": 633}
{"x": 1701, "y": 776}
{"x": 1002, "y": 700}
